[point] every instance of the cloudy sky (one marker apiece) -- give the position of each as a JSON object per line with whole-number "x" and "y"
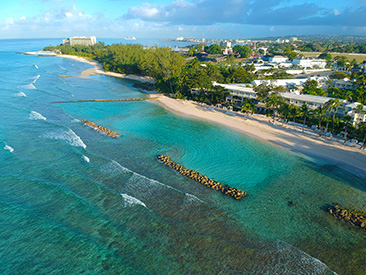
{"x": 173, "y": 18}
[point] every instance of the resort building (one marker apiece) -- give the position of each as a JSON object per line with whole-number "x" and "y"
{"x": 351, "y": 109}
{"x": 80, "y": 40}
{"x": 239, "y": 92}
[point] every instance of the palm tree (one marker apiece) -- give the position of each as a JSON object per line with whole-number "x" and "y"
{"x": 319, "y": 112}
{"x": 273, "y": 101}
{"x": 362, "y": 128}
{"x": 335, "y": 103}
{"x": 304, "y": 110}
{"x": 293, "y": 111}
{"x": 284, "y": 109}
{"x": 248, "y": 108}
{"x": 346, "y": 121}
{"x": 262, "y": 91}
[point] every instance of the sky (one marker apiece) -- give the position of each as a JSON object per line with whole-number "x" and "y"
{"x": 175, "y": 18}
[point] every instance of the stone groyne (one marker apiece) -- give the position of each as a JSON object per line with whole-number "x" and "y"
{"x": 352, "y": 217}
{"x": 226, "y": 190}
{"x": 101, "y": 129}
{"x": 103, "y": 100}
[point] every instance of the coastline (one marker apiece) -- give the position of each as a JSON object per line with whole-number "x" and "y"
{"x": 259, "y": 128}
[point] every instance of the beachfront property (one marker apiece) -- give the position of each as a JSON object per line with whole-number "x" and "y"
{"x": 239, "y": 92}
{"x": 351, "y": 109}
{"x": 80, "y": 40}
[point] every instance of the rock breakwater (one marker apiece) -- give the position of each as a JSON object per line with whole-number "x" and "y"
{"x": 225, "y": 189}
{"x": 104, "y": 100}
{"x": 352, "y": 217}
{"x": 101, "y": 129}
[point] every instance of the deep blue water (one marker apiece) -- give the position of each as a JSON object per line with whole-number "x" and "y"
{"x": 123, "y": 212}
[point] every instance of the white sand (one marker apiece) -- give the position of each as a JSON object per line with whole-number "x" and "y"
{"x": 98, "y": 69}
{"x": 260, "y": 128}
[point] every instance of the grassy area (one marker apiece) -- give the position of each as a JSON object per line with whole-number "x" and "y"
{"x": 350, "y": 56}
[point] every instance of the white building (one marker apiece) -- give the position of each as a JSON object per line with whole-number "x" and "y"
{"x": 277, "y": 59}
{"x": 350, "y": 109}
{"x": 80, "y": 40}
{"x": 343, "y": 83}
{"x": 309, "y": 62}
{"x": 241, "y": 91}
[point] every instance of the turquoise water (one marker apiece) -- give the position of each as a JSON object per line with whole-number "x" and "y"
{"x": 123, "y": 212}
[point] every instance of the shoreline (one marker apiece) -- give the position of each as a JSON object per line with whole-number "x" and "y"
{"x": 350, "y": 159}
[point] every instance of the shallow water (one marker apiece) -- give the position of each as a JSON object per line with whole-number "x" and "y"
{"x": 75, "y": 200}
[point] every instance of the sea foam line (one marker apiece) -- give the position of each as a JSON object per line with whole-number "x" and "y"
{"x": 69, "y": 136}
{"x": 20, "y": 94}
{"x": 36, "y": 116}
{"x": 130, "y": 200}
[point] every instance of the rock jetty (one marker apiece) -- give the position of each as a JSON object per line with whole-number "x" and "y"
{"x": 225, "y": 189}
{"x": 103, "y": 100}
{"x": 352, "y": 217}
{"x": 101, "y": 129}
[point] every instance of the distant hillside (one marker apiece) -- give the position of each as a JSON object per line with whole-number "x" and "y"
{"x": 324, "y": 37}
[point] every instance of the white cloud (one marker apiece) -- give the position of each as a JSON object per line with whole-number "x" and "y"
{"x": 23, "y": 18}
{"x": 336, "y": 12}
{"x": 68, "y": 14}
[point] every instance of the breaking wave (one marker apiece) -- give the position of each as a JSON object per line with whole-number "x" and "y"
{"x": 28, "y": 86}
{"x": 86, "y": 158}
{"x": 35, "y": 66}
{"x": 130, "y": 201}
{"x": 35, "y": 79}
{"x": 9, "y": 148}
{"x": 69, "y": 136}
{"x": 20, "y": 94}
{"x": 36, "y": 116}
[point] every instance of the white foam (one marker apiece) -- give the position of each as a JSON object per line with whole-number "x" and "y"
{"x": 20, "y": 94}
{"x": 69, "y": 136}
{"x": 9, "y": 148}
{"x": 36, "y": 116}
{"x": 189, "y": 198}
{"x": 114, "y": 168}
{"x": 28, "y": 86}
{"x": 86, "y": 158}
{"x": 130, "y": 201}
{"x": 35, "y": 79}
{"x": 36, "y": 66}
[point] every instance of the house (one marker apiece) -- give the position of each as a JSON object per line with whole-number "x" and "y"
{"x": 277, "y": 59}
{"x": 80, "y": 40}
{"x": 309, "y": 62}
{"x": 343, "y": 84}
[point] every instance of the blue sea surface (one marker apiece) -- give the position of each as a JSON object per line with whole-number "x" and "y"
{"x": 73, "y": 200}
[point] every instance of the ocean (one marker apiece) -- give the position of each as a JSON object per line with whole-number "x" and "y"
{"x": 73, "y": 200}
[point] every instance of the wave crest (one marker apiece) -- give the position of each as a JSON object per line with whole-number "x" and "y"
{"x": 20, "y": 94}
{"x": 36, "y": 116}
{"x": 130, "y": 201}
{"x": 9, "y": 148}
{"x": 69, "y": 136}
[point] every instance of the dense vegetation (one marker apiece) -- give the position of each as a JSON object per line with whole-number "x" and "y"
{"x": 175, "y": 75}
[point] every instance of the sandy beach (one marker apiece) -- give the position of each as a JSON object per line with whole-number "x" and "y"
{"x": 260, "y": 128}
{"x": 98, "y": 69}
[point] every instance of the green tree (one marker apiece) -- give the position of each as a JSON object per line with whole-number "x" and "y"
{"x": 326, "y": 56}
{"x": 273, "y": 102}
{"x": 213, "y": 49}
{"x": 319, "y": 113}
{"x": 294, "y": 111}
{"x": 248, "y": 107}
{"x": 244, "y": 51}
